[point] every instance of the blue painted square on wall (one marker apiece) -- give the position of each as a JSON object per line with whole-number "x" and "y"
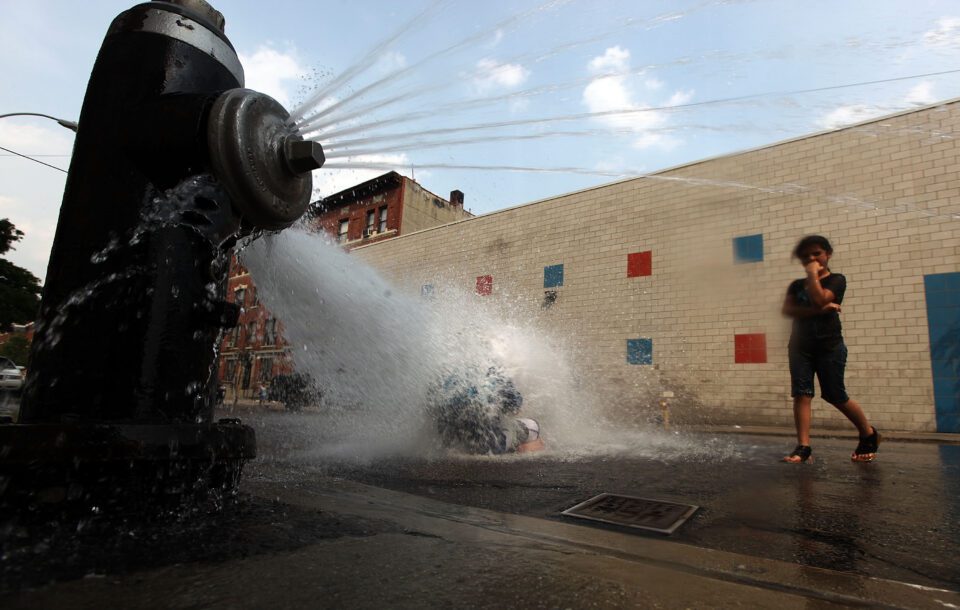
{"x": 553, "y": 276}
{"x": 748, "y": 248}
{"x": 639, "y": 351}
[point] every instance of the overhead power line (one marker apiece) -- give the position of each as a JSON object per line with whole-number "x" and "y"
{"x": 34, "y": 160}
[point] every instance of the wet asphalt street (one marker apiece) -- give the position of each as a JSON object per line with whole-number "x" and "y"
{"x": 897, "y": 518}
{"x": 292, "y": 533}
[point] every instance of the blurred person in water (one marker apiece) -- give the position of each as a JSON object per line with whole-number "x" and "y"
{"x": 475, "y": 411}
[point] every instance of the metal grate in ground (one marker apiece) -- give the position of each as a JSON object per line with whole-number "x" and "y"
{"x": 630, "y": 511}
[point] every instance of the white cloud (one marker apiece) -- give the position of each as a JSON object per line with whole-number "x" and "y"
{"x": 611, "y": 94}
{"x": 272, "y": 72}
{"x": 849, "y": 114}
{"x": 615, "y": 94}
{"x": 493, "y": 75}
{"x": 614, "y": 59}
{"x": 922, "y": 94}
{"x": 30, "y": 193}
{"x": 680, "y": 98}
{"x": 945, "y": 34}
{"x": 32, "y": 138}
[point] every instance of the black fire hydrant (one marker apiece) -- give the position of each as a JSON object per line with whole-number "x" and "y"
{"x": 173, "y": 163}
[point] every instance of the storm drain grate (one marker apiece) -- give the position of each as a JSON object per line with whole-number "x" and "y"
{"x": 630, "y": 511}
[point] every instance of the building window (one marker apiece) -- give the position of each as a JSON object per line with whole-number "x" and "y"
{"x": 251, "y": 333}
{"x": 234, "y": 336}
{"x": 484, "y": 285}
{"x": 253, "y": 297}
{"x": 748, "y": 248}
{"x": 342, "y": 231}
{"x": 371, "y": 221}
{"x": 240, "y": 296}
{"x": 266, "y": 370}
{"x": 639, "y": 351}
{"x": 749, "y": 348}
{"x": 553, "y": 276}
{"x": 245, "y": 375}
{"x": 270, "y": 332}
{"x": 639, "y": 264}
{"x": 230, "y": 371}
{"x": 383, "y": 219}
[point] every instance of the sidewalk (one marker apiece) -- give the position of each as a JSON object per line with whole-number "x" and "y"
{"x": 247, "y": 405}
{"x": 849, "y": 432}
{"x": 395, "y": 550}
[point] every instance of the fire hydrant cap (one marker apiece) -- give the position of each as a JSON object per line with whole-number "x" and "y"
{"x": 262, "y": 162}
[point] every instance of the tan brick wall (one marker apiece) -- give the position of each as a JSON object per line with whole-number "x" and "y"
{"x": 422, "y": 209}
{"x": 883, "y": 192}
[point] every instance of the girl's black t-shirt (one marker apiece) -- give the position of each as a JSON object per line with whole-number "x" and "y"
{"x": 822, "y": 330}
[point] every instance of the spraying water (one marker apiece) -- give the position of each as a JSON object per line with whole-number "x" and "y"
{"x": 376, "y": 352}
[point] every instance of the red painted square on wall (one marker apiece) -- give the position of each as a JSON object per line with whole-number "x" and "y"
{"x": 640, "y": 263}
{"x": 750, "y": 348}
{"x": 484, "y": 285}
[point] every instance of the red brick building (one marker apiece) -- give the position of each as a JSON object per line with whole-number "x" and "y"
{"x": 254, "y": 351}
{"x": 384, "y": 207}
{"x": 389, "y": 205}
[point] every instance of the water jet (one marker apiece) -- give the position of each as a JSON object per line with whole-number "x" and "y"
{"x": 174, "y": 161}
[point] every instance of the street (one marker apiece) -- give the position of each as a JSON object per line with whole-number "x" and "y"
{"x": 897, "y": 518}
{"x": 330, "y": 519}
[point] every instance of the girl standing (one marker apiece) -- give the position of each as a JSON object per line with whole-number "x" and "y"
{"x": 817, "y": 347}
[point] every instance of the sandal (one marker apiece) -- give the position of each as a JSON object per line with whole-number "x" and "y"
{"x": 799, "y": 455}
{"x": 866, "y": 450}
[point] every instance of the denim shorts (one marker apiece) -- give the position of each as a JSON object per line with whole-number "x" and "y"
{"x": 828, "y": 366}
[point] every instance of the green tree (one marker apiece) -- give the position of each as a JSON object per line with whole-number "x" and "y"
{"x": 19, "y": 289}
{"x": 16, "y": 348}
{"x": 8, "y": 235}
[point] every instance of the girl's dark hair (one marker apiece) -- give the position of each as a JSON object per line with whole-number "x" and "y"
{"x": 812, "y": 240}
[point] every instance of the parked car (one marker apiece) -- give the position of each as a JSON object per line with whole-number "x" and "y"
{"x": 11, "y": 375}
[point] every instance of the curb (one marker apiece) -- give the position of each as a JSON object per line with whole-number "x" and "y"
{"x": 942, "y": 438}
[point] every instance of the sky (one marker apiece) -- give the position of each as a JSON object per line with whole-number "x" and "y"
{"x": 507, "y": 101}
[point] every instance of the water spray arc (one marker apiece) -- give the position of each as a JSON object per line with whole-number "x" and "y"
{"x": 175, "y": 161}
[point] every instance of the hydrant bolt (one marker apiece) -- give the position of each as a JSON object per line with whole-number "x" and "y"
{"x": 303, "y": 155}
